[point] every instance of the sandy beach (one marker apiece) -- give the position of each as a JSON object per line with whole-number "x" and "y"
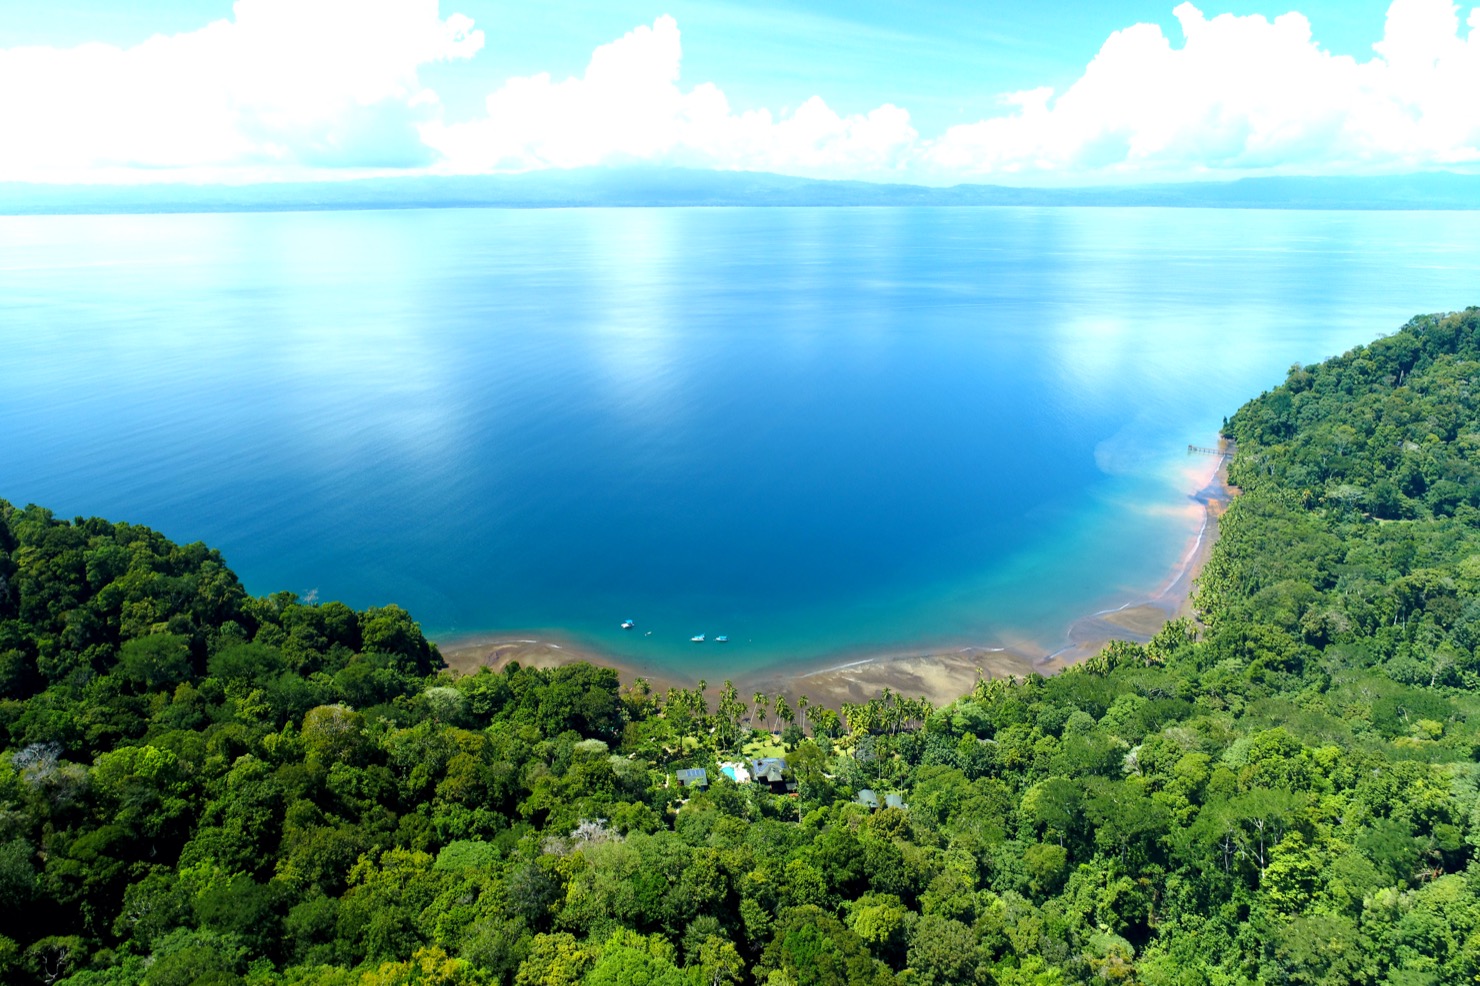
{"x": 940, "y": 675}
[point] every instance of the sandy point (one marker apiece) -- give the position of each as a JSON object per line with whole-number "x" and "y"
{"x": 465, "y": 655}
{"x": 938, "y": 674}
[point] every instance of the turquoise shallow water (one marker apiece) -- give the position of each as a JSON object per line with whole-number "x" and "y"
{"x": 818, "y": 431}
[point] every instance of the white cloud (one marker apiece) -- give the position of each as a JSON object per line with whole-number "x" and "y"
{"x": 289, "y": 87}
{"x": 629, "y": 106}
{"x": 283, "y": 84}
{"x": 1242, "y": 95}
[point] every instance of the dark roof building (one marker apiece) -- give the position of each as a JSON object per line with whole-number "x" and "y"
{"x": 771, "y": 771}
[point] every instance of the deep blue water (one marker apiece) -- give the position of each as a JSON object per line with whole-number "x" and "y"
{"x": 819, "y": 431}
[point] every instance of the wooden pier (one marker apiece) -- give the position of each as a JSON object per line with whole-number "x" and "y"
{"x": 1207, "y": 451}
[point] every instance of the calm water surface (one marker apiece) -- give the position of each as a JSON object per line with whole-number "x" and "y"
{"x": 819, "y": 431}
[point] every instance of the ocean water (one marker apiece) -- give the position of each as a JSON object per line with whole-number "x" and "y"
{"x": 822, "y": 432}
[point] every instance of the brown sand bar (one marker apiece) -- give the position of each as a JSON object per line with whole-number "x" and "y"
{"x": 939, "y": 674}
{"x": 465, "y": 655}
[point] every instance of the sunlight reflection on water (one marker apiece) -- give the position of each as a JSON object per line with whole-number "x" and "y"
{"x": 817, "y": 430}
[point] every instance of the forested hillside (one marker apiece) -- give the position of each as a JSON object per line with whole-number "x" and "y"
{"x": 201, "y": 787}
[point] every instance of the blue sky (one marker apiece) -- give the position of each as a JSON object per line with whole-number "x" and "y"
{"x": 933, "y": 91}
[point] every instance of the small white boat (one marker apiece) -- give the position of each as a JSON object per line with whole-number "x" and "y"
{"x": 628, "y": 624}
{"x": 721, "y": 639}
{"x": 697, "y": 638}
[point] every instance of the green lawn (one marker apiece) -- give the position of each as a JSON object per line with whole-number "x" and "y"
{"x": 763, "y": 745}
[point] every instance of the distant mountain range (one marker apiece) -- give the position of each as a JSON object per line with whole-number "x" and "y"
{"x": 601, "y": 187}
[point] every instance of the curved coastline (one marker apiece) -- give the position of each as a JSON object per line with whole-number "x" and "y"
{"x": 939, "y": 673}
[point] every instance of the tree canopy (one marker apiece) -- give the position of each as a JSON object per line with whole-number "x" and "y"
{"x": 198, "y": 786}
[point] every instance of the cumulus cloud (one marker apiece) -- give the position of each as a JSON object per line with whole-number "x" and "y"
{"x": 282, "y": 84}
{"x": 311, "y": 84}
{"x": 1239, "y": 95}
{"x": 630, "y": 107}
{"x": 1242, "y": 95}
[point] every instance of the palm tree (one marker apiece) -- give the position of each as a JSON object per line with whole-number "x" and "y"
{"x": 826, "y": 722}
{"x": 731, "y": 710}
{"x": 783, "y": 710}
{"x": 852, "y": 716}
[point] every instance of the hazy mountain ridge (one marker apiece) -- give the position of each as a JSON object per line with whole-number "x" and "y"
{"x": 649, "y": 187}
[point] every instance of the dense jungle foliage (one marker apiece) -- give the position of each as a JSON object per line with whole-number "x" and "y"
{"x": 201, "y": 787}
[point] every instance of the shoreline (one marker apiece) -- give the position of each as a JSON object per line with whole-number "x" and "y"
{"x": 1139, "y": 619}
{"x": 940, "y": 674}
